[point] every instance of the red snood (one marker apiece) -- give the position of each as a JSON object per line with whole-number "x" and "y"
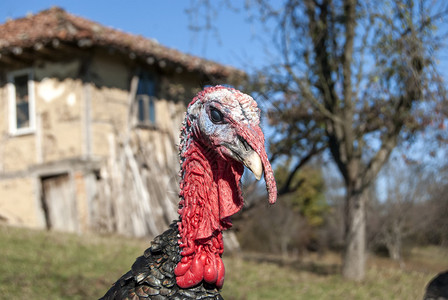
{"x": 210, "y": 194}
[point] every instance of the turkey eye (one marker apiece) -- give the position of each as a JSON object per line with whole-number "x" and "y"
{"x": 216, "y": 116}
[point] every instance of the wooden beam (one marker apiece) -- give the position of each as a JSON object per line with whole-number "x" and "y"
{"x": 12, "y": 61}
{"x": 25, "y": 55}
{"x": 85, "y": 43}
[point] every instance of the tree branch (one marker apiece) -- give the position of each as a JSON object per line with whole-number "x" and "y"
{"x": 286, "y": 188}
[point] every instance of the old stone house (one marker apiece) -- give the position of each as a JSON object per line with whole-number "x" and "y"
{"x": 89, "y": 124}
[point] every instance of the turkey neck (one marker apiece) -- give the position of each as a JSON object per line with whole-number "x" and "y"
{"x": 210, "y": 194}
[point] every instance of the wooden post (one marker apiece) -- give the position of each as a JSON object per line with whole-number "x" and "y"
{"x": 39, "y": 139}
{"x": 131, "y": 106}
{"x": 87, "y": 120}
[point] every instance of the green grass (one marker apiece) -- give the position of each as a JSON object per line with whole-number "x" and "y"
{"x": 268, "y": 281}
{"x": 47, "y": 265}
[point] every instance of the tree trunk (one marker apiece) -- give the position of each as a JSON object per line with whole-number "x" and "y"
{"x": 393, "y": 244}
{"x": 394, "y": 251}
{"x": 353, "y": 264}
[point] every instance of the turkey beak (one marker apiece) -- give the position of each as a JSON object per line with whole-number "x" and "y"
{"x": 253, "y": 162}
{"x": 244, "y": 153}
{"x": 248, "y": 148}
{"x": 252, "y": 154}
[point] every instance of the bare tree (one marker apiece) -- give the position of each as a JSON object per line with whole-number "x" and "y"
{"x": 358, "y": 73}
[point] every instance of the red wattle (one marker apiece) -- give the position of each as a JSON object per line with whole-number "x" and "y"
{"x": 197, "y": 265}
{"x": 210, "y": 270}
{"x": 181, "y": 269}
{"x": 221, "y": 272}
{"x": 209, "y": 196}
{"x": 188, "y": 280}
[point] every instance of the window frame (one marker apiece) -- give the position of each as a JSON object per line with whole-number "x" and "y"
{"x": 147, "y": 95}
{"x": 149, "y": 114}
{"x": 12, "y": 111}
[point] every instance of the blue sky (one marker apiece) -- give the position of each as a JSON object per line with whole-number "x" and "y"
{"x": 165, "y": 21}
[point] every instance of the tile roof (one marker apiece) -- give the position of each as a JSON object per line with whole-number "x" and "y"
{"x": 56, "y": 24}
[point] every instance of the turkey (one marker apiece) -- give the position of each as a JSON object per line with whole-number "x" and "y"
{"x": 220, "y": 135}
{"x": 437, "y": 288}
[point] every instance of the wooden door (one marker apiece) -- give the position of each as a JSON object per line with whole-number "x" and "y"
{"x": 59, "y": 203}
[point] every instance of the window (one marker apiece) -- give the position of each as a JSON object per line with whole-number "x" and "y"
{"x": 145, "y": 100}
{"x": 21, "y": 102}
{"x": 146, "y": 114}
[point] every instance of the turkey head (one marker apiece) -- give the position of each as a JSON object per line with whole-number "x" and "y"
{"x": 221, "y": 134}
